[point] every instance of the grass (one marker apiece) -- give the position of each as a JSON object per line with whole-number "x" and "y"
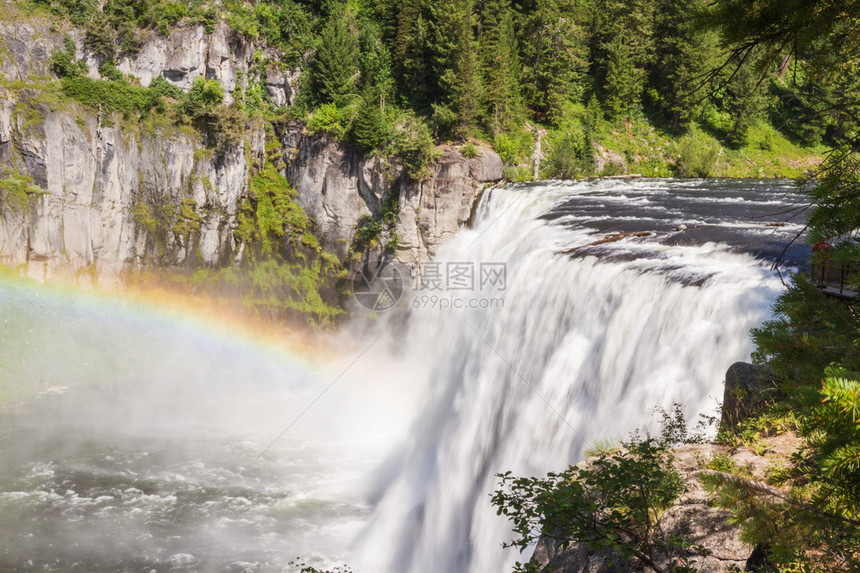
{"x": 651, "y": 153}
{"x": 604, "y": 447}
{"x": 721, "y": 462}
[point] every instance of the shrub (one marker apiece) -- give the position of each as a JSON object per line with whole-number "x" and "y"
{"x": 506, "y": 147}
{"x": 111, "y": 95}
{"x": 203, "y": 96}
{"x": 164, "y": 88}
{"x": 226, "y": 126}
{"x": 63, "y": 62}
{"x": 107, "y": 70}
{"x": 413, "y": 144}
{"x": 327, "y": 118}
{"x": 100, "y": 37}
{"x": 469, "y": 150}
{"x": 613, "y": 506}
{"x": 571, "y": 155}
{"x": 367, "y": 232}
{"x": 697, "y": 156}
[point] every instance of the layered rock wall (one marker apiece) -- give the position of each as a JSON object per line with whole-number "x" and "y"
{"x": 128, "y": 194}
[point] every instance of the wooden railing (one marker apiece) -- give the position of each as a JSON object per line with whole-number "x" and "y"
{"x": 832, "y": 278}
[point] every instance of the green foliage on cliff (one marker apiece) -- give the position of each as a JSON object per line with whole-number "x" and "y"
{"x": 612, "y": 504}
{"x": 283, "y": 272}
{"x": 379, "y": 230}
{"x": 16, "y": 191}
{"x": 111, "y": 96}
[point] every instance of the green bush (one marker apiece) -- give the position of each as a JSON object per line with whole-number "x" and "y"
{"x": 164, "y": 88}
{"x": 507, "y": 148}
{"x": 110, "y": 95}
{"x": 63, "y": 62}
{"x": 697, "y": 155}
{"x": 611, "y": 505}
{"x": 469, "y": 150}
{"x": 367, "y": 232}
{"x": 571, "y": 155}
{"x": 203, "y": 96}
{"x": 107, "y": 70}
{"x": 413, "y": 144}
{"x": 328, "y": 118}
{"x": 226, "y": 126}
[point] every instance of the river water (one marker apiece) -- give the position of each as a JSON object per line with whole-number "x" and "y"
{"x": 156, "y": 442}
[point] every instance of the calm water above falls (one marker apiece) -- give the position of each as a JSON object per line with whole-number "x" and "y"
{"x": 158, "y": 467}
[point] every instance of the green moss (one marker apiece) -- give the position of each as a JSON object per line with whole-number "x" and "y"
{"x": 284, "y": 272}
{"x": 187, "y": 221}
{"x": 16, "y": 192}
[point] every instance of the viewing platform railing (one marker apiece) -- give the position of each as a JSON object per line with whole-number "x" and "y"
{"x": 832, "y": 278}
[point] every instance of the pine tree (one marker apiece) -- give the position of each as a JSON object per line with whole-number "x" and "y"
{"x": 684, "y": 53}
{"x": 456, "y": 99}
{"x": 744, "y": 99}
{"x": 622, "y": 48}
{"x": 368, "y": 129}
{"x": 334, "y": 72}
{"x": 499, "y": 65}
{"x": 412, "y": 56}
{"x": 554, "y": 56}
{"x": 624, "y": 79}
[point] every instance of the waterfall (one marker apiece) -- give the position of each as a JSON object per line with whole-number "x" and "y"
{"x": 579, "y": 343}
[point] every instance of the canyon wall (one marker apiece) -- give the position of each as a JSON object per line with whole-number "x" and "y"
{"x": 125, "y": 194}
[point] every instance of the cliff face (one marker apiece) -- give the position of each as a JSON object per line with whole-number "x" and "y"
{"x": 337, "y": 186}
{"x": 107, "y": 188}
{"x": 122, "y": 196}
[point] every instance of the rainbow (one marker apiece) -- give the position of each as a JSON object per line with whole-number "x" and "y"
{"x": 33, "y": 312}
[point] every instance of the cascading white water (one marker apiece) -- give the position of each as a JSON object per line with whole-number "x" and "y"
{"x": 585, "y": 344}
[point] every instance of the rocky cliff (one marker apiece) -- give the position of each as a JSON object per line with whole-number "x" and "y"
{"x": 26, "y": 45}
{"x": 337, "y": 186}
{"x": 115, "y": 195}
{"x": 126, "y": 194}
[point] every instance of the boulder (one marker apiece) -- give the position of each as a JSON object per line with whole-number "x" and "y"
{"x": 747, "y": 387}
